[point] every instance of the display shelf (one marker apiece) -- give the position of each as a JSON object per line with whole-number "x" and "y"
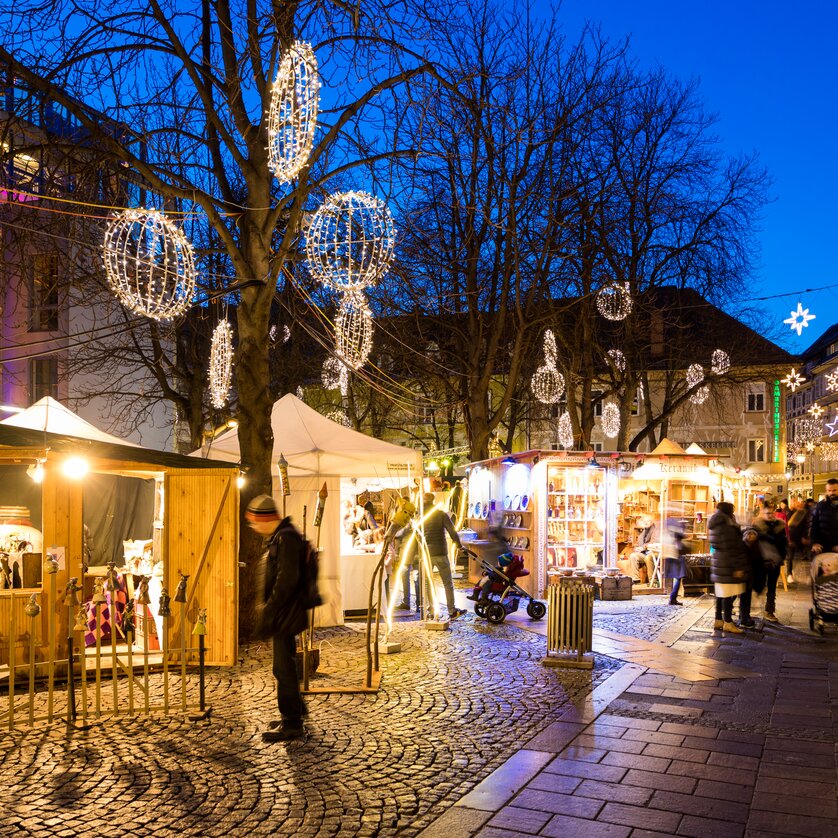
{"x": 574, "y": 506}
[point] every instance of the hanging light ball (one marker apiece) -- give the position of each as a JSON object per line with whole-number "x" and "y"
{"x": 720, "y": 362}
{"x": 565, "y": 431}
{"x": 700, "y": 395}
{"x": 292, "y": 114}
{"x": 149, "y": 263}
{"x": 334, "y": 374}
{"x": 221, "y": 364}
{"x": 350, "y": 241}
{"x": 547, "y": 384}
{"x": 614, "y": 301}
{"x": 353, "y": 330}
{"x": 610, "y": 420}
{"x": 338, "y": 415}
{"x": 695, "y": 375}
{"x": 617, "y": 359}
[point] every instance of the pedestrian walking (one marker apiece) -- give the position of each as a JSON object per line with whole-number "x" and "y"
{"x": 437, "y": 523}
{"x": 755, "y": 584}
{"x": 797, "y": 529}
{"x": 823, "y": 532}
{"x": 728, "y": 564}
{"x": 773, "y": 546}
{"x": 674, "y": 562}
{"x": 280, "y": 614}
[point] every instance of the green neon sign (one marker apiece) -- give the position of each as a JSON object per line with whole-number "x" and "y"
{"x": 776, "y": 421}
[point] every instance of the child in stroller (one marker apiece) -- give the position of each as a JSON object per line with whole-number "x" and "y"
{"x": 498, "y": 594}
{"x": 824, "y": 591}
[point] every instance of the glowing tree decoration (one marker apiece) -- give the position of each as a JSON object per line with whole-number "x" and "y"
{"x": 614, "y": 301}
{"x": 149, "y": 263}
{"x": 353, "y": 330}
{"x": 617, "y": 359}
{"x": 334, "y": 375}
{"x": 565, "y": 431}
{"x": 221, "y": 364}
{"x": 610, "y": 420}
{"x": 720, "y": 362}
{"x": 292, "y": 115}
{"x": 349, "y": 243}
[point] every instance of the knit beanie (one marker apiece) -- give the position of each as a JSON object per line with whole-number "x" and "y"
{"x": 725, "y": 507}
{"x": 504, "y": 560}
{"x": 262, "y": 508}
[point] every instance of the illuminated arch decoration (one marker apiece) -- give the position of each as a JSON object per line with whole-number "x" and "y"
{"x": 720, "y": 362}
{"x": 221, "y": 364}
{"x": 565, "y": 431}
{"x": 614, "y": 301}
{"x": 292, "y": 113}
{"x": 617, "y": 359}
{"x": 353, "y": 330}
{"x": 611, "y": 420}
{"x": 350, "y": 241}
{"x": 149, "y": 263}
{"x": 548, "y": 383}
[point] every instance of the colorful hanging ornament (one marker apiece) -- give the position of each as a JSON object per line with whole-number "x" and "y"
{"x": 793, "y": 380}
{"x": 221, "y": 364}
{"x": 292, "y": 113}
{"x": 720, "y": 362}
{"x": 799, "y": 319}
{"x": 610, "y": 420}
{"x": 565, "y": 431}
{"x": 617, "y": 359}
{"x": 149, "y": 264}
{"x": 614, "y": 301}
{"x": 350, "y": 241}
{"x": 353, "y": 330}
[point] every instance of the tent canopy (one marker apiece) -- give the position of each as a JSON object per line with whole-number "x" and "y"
{"x": 315, "y": 445}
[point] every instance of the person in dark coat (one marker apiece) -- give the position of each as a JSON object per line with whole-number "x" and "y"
{"x": 728, "y": 564}
{"x": 280, "y": 614}
{"x": 756, "y": 578}
{"x": 773, "y": 546}
{"x": 797, "y": 529}
{"x": 823, "y": 531}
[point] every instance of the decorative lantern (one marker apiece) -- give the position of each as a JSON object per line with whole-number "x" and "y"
{"x": 221, "y": 364}
{"x": 353, "y": 330}
{"x": 350, "y": 241}
{"x": 720, "y": 362}
{"x": 149, "y": 264}
{"x": 292, "y": 115}
{"x": 614, "y": 301}
{"x": 610, "y": 420}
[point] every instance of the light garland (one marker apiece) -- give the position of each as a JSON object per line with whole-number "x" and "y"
{"x": 807, "y": 430}
{"x": 610, "y": 420}
{"x": 292, "y": 114}
{"x": 799, "y": 319}
{"x": 793, "y": 380}
{"x": 149, "y": 263}
{"x": 829, "y": 451}
{"x": 353, "y": 330}
{"x": 221, "y": 364}
{"x": 720, "y": 362}
{"x": 565, "y": 431}
{"x": 614, "y": 301}
{"x": 350, "y": 241}
{"x": 617, "y": 359}
{"x": 547, "y": 384}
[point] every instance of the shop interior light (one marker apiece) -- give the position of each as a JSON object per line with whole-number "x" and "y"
{"x": 801, "y": 458}
{"x": 36, "y": 471}
{"x": 75, "y": 467}
{"x": 241, "y": 480}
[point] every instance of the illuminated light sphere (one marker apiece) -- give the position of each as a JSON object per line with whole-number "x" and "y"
{"x": 610, "y": 420}
{"x": 300, "y": 393}
{"x": 565, "y": 431}
{"x": 550, "y": 352}
{"x": 149, "y": 263}
{"x": 700, "y": 395}
{"x": 617, "y": 359}
{"x": 292, "y": 114}
{"x": 547, "y": 384}
{"x": 350, "y": 241}
{"x": 695, "y": 375}
{"x": 353, "y": 330}
{"x": 720, "y": 362}
{"x": 339, "y": 415}
{"x": 334, "y": 374}
{"x": 221, "y": 364}
{"x": 614, "y": 301}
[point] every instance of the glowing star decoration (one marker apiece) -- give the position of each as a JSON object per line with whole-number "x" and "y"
{"x": 350, "y": 241}
{"x": 617, "y": 359}
{"x": 353, "y": 330}
{"x": 799, "y": 319}
{"x": 149, "y": 263}
{"x": 832, "y": 426}
{"x": 614, "y": 301}
{"x": 793, "y": 380}
{"x": 292, "y": 113}
{"x": 221, "y": 364}
{"x": 816, "y": 410}
{"x": 334, "y": 375}
{"x": 832, "y": 380}
{"x": 720, "y": 362}
{"x": 565, "y": 431}
{"x": 610, "y": 420}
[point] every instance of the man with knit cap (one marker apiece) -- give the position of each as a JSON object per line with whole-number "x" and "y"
{"x": 280, "y": 614}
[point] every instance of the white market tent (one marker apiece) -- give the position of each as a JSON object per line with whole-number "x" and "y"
{"x": 319, "y": 450}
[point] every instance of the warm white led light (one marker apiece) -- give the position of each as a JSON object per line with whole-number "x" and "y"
{"x": 221, "y": 364}
{"x": 353, "y": 330}
{"x": 565, "y": 431}
{"x": 610, "y": 420}
{"x": 617, "y": 359}
{"x": 720, "y": 362}
{"x": 614, "y": 301}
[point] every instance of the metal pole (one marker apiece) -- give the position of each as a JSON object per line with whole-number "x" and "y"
{"x": 32, "y": 610}
{"x": 52, "y": 569}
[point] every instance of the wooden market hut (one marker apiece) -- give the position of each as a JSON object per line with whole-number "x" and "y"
{"x": 195, "y": 531}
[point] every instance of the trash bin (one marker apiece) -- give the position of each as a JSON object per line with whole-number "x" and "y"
{"x": 570, "y": 622}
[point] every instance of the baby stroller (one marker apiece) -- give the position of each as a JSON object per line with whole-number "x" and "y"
{"x": 824, "y": 591}
{"x": 504, "y": 593}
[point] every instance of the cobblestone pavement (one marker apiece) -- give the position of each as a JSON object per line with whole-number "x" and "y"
{"x": 452, "y": 707}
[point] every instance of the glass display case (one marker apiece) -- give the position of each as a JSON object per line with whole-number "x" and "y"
{"x": 575, "y": 516}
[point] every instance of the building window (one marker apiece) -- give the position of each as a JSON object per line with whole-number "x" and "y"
{"x": 43, "y": 296}
{"x": 43, "y": 378}
{"x": 756, "y": 450}
{"x": 755, "y": 398}
{"x": 596, "y": 398}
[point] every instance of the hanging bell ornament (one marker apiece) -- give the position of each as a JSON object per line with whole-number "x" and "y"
{"x": 71, "y": 596}
{"x": 165, "y": 609}
{"x": 128, "y": 616}
{"x": 283, "y": 475}
{"x": 321, "y": 504}
{"x": 201, "y": 625}
{"x": 81, "y": 620}
{"x": 142, "y": 593}
{"x": 32, "y": 608}
{"x": 180, "y": 591}
{"x": 99, "y": 597}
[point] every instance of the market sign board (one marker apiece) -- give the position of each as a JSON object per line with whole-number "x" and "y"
{"x": 673, "y": 469}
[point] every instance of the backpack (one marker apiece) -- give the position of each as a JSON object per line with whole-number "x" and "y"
{"x": 309, "y": 571}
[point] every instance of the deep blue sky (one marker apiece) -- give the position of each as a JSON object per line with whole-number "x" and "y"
{"x": 768, "y": 69}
